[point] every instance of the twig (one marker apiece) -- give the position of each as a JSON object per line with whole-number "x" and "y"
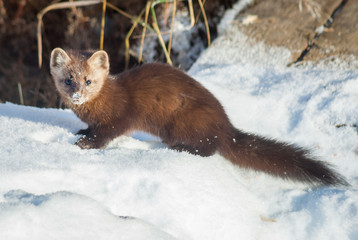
{"x": 191, "y": 12}
{"x": 21, "y": 76}
{"x": 151, "y": 34}
{"x": 156, "y": 28}
{"x": 172, "y": 27}
{"x": 102, "y": 24}
{"x": 122, "y": 12}
{"x": 198, "y": 16}
{"x": 126, "y": 41}
{"x": 319, "y": 32}
{"x": 147, "y": 8}
{"x": 205, "y": 20}
{"x": 165, "y": 17}
{"x": 20, "y": 93}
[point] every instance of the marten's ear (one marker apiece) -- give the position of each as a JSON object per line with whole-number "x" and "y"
{"x": 99, "y": 60}
{"x": 59, "y": 58}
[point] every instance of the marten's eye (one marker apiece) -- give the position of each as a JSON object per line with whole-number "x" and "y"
{"x": 68, "y": 81}
{"x": 88, "y": 82}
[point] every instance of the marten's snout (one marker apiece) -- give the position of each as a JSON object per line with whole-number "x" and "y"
{"x": 79, "y": 96}
{"x": 76, "y": 96}
{"x": 77, "y": 92}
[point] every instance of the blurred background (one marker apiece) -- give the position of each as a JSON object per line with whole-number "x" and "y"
{"x": 80, "y": 28}
{"x": 288, "y": 23}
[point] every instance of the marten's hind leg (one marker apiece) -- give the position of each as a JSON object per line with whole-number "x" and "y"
{"x": 203, "y": 150}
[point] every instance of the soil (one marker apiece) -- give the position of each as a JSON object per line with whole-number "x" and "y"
{"x": 286, "y": 23}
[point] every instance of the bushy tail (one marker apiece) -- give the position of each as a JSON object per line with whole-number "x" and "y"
{"x": 278, "y": 159}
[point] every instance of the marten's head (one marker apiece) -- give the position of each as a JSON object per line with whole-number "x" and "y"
{"x": 79, "y": 76}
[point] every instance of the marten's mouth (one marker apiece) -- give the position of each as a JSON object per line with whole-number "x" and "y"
{"x": 77, "y": 101}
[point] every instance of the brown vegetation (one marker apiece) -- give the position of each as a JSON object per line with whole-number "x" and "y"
{"x": 73, "y": 28}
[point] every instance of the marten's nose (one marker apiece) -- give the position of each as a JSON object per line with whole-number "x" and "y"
{"x": 76, "y": 96}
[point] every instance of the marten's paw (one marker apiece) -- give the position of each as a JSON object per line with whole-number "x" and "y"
{"x": 86, "y": 142}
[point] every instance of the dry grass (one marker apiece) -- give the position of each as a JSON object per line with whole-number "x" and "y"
{"x": 29, "y": 29}
{"x": 56, "y": 6}
{"x": 150, "y": 7}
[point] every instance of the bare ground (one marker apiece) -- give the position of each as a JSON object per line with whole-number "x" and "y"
{"x": 292, "y": 24}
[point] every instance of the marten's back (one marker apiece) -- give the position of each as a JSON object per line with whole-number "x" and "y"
{"x": 162, "y": 96}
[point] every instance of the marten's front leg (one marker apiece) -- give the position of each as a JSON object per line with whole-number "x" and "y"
{"x": 97, "y": 137}
{"x": 84, "y": 131}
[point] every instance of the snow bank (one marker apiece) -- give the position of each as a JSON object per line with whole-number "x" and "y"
{"x": 180, "y": 193}
{"x": 64, "y": 215}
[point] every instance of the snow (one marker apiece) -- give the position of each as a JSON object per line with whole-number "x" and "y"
{"x": 58, "y": 215}
{"x": 137, "y": 188}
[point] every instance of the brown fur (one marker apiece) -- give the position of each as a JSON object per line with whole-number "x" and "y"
{"x": 166, "y": 102}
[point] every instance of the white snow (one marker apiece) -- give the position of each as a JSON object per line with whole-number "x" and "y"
{"x": 137, "y": 188}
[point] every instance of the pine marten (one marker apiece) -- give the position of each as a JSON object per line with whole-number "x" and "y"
{"x": 166, "y": 102}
